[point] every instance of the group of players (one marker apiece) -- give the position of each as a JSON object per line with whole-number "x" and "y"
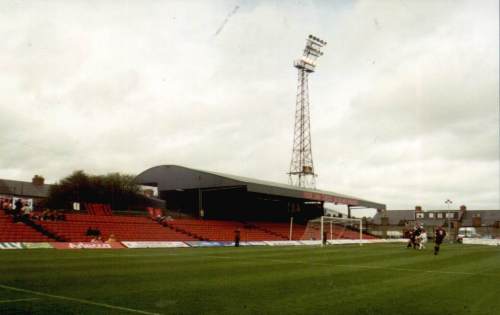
{"x": 418, "y": 238}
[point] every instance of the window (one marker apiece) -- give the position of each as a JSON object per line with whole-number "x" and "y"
{"x": 420, "y": 215}
{"x": 431, "y": 215}
{"x": 450, "y": 215}
{"x": 439, "y": 215}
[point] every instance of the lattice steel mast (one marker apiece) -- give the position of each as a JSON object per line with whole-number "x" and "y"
{"x": 302, "y": 167}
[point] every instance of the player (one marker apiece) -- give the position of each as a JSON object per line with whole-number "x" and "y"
{"x": 422, "y": 239}
{"x": 411, "y": 239}
{"x": 237, "y": 237}
{"x": 415, "y": 240}
{"x": 440, "y": 234}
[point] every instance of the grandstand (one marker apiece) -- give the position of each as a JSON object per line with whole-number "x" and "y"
{"x": 141, "y": 228}
{"x": 200, "y": 206}
{"x": 212, "y": 195}
{"x": 210, "y": 206}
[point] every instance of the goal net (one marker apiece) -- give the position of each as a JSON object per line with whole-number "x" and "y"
{"x": 327, "y": 228}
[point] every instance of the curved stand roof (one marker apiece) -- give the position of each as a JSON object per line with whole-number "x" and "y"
{"x": 174, "y": 177}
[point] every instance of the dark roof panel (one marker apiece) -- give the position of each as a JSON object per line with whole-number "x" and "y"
{"x": 173, "y": 177}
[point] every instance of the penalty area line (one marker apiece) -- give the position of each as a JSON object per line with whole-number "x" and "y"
{"x": 66, "y": 298}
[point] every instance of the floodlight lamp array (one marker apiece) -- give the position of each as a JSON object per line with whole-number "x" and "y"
{"x": 311, "y": 52}
{"x": 317, "y": 40}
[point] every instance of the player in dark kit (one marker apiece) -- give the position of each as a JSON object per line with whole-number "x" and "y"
{"x": 413, "y": 236}
{"x": 411, "y": 239}
{"x": 440, "y": 234}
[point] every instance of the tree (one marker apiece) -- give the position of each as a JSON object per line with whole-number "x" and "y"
{"x": 118, "y": 190}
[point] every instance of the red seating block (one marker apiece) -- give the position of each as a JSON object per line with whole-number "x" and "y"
{"x": 18, "y": 232}
{"x": 98, "y": 209}
{"x": 218, "y": 230}
{"x": 123, "y": 227}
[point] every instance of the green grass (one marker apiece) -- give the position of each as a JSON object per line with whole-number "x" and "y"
{"x": 372, "y": 279}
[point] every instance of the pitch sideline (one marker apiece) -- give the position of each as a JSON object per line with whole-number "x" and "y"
{"x": 60, "y": 297}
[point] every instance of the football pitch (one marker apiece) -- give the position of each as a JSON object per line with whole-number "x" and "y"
{"x": 346, "y": 279}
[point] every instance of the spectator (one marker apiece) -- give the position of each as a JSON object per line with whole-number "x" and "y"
{"x": 25, "y": 211}
{"x": 44, "y": 215}
{"x": 111, "y": 239}
{"x": 60, "y": 216}
{"x": 18, "y": 205}
{"x": 160, "y": 219}
{"x": 6, "y": 205}
{"x": 90, "y": 232}
{"x": 17, "y": 212}
{"x": 93, "y": 232}
{"x": 34, "y": 216}
{"x": 52, "y": 215}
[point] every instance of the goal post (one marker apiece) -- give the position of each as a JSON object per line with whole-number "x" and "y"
{"x": 327, "y": 228}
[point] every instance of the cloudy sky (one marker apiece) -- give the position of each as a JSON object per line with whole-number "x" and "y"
{"x": 404, "y": 105}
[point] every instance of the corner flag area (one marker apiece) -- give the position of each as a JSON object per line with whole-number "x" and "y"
{"x": 346, "y": 279}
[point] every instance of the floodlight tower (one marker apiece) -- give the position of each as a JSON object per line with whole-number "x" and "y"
{"x": 301, "y": 167}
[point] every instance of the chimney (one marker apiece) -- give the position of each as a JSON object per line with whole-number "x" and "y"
{"x": 38, "y": 180}
{"x": 461, "y": 213}
{"x": 418, "y": 208}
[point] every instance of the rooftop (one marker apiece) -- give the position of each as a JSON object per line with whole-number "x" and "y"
{"x": 21, "y": 188}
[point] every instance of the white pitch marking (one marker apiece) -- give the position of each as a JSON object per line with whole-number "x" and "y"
{"x": 19, "y": 300}
{"x": 320, "y": 264}
{"x": 355, "y": 266}
{"x": 60, "y": 297}
{"x": 413, "y": 270}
